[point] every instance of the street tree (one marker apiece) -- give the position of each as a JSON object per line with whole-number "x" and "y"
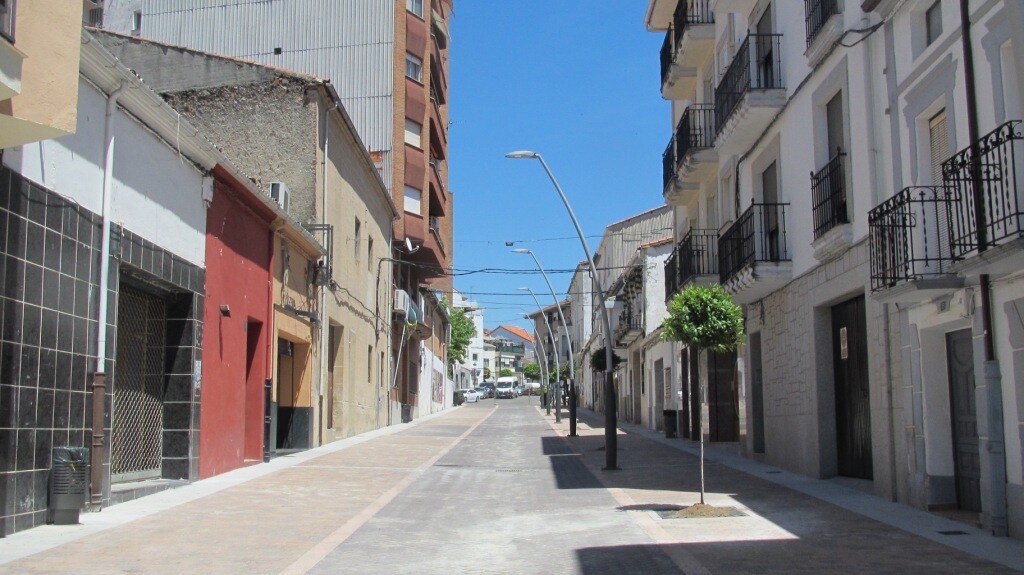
{"x": 463, "y": 331}
{"x": 506, "y": 372}
{"x": 706, "y": 319}
{"x": 531, "y": 371}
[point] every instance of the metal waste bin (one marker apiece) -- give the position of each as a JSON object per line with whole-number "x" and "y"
{"x": 69, "y": 484}
{"x": 670, "y": 423}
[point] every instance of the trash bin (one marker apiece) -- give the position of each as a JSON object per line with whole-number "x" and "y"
{"x": 69, "y": 484}
{"x": 670, "y": 423}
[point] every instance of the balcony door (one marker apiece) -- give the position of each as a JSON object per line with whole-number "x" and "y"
{"x": 770, "y": 197}
{"x": 764, "y": 52}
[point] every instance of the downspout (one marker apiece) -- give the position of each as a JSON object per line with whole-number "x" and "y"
{"x": 99, "y": 382}
{"x": 993, "y": 448}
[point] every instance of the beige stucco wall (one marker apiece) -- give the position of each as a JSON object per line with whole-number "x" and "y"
{"x": 358, "y": 305}
{"x": 48, "y": 34}
{"x": 292, "y": 288}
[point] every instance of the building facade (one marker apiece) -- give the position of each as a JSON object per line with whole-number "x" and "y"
{"x": 814, "y": 172}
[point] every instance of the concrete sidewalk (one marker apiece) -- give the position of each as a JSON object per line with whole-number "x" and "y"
{"x": 792, "y": 523}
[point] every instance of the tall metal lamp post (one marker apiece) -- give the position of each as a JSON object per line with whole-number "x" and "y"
{"x": 610, "y": 416}
{"x": 568, "y": 340}
{"x": 558, "y": 364}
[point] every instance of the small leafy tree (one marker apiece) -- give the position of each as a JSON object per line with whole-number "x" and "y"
{"x": 463, "y": 331}
{"x": 597, "y": 360}
{"x": 487, "y": 373}
{"x": 531, "y": 371}
{"x": 705, "y": 318}
{"x": 506, "y": 372}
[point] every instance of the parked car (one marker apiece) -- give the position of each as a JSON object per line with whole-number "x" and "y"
{"x": 471, "y": 395}
{"x": 519, "y": 389}
{"x": 489, "y": 386}
{"x": 485, "y": 392}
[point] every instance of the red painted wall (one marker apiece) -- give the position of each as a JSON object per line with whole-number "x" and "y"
{"x": 235, "y": 361}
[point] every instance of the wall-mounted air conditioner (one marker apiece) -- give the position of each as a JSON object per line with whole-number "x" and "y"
{"x": 280, "y": 194}
{"x": 403, "y": 302}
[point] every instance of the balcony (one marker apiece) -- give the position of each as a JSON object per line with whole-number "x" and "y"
{"x": 823, "y": 29}
{"x": 695, "y": 157}
{"x": 672, "y": 274}
{"x": 909, "y": 244}
{"x": 629, "y": 328}
{"x": 438, "y": 194}
{"x": 668, "y": 165}
{"x": 751, "y": 93}
{"x": 695, "y": 260}
{"x": 832, "y": 232}
{"x": 689, "y": 42}
{"x": 988, "y": 171}
{"x": 753, "y": 258}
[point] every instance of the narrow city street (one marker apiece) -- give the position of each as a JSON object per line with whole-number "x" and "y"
{"x": 496, "y": 487}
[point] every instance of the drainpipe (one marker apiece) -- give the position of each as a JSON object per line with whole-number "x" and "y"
{"x": 99, "y": 381}
{"x": 993, "y": 448}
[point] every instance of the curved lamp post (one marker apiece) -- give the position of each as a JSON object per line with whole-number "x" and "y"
{"x": 558, "y": 364}
{"x": 568, "y": 340}
{"x": 610, "y": 401}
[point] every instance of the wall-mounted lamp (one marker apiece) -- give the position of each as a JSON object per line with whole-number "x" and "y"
{"x": 225, "y": 310}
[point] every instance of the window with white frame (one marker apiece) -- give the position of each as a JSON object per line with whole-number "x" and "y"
{"x": 136, "y": 22}
{"x": 413, "y": 67}
{"x": 413, "y": 199}
{"x": 415, "y": 6}
{"x": 413, "y": 132}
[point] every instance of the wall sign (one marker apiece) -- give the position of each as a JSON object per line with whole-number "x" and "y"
{"x": 844, "y": 349}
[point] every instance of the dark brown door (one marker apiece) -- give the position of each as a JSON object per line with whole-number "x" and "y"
{"x": 723, "y": 404}
{"x": 853, "y": 409}
{"x": 960, "y": 363}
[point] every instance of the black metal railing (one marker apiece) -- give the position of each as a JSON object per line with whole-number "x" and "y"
{"x": 696, "y": 130}
{"x": 628, "y": 322}
{"x": 756, "y": 66}
{"x": 667, "y": 56}
{"x": 909, "y": 236}
{"x": 689, "y": 12}
{"x": 991, "y": 164}
{"x": 672, "y": 274}
{"x": 698, "y": 255}
{"x": 828, "y": 195}
{"x": 7, "y": 9}
{"x": 758, "y": 235}
{"x": 816, "y": 13}
{"x": 668, "y": 164}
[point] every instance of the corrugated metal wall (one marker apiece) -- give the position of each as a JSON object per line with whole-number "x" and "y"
{"x": 349, "y": 42}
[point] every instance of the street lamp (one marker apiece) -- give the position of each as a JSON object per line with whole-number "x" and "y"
{"x": 610, "y": 417}
{"x": 558, "y": 364}
{"x": 568, "y": 340}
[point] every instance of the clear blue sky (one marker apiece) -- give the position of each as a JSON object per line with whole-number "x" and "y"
{"x": 575, "y": 81}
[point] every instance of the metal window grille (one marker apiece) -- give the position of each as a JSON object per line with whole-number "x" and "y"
{"x": 828, "y": 193}
{"x": 757, "y": 66}
{"x": 817, "y": 12}
{"x": 138, "y": 386}
{"x": 909, "y": 236}
{"x": 758, "y": 235}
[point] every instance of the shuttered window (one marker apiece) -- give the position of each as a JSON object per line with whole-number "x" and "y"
{"x": 938, "y": 144}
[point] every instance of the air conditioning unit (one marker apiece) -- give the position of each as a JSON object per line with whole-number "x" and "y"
{"x": 403, "y": 302}
{"x": 280, "y": 194}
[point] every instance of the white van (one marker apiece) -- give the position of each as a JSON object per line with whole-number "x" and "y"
{"x": 505, "y": 388}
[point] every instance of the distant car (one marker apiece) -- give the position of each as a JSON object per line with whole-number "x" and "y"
{"x": 504, "y": 390}
{"x": 471, "y": 395}
{"x": 484, "y": 392}
{"x": 519, "y": 389}
{"x": 489, "y": 386}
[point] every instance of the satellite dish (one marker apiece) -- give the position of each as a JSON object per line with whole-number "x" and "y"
{"x": 408, "y": 246}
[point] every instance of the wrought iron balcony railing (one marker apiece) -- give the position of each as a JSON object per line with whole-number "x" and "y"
{"x": 696, "y": 130}
{"x": 988, "y": 169}
{"x": 698, "y": 255}
{"x": 666, "y": 56}
{"x": 828, "y": 195}
{"x": 758, "y": 235}
{"x": 756, "y": 66}
{"x": 689, "y": 12}
{"x": 816, "y": 13}
{"x": 628, "y": 322}
{"x": 909, "y": 236}
{"x": 668, "y": 164}
{"x": 672, "y": 274}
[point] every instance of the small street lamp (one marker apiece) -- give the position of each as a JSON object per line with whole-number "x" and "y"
{"x": 568, "y": 340}
{"x": 558, "y": 365}
{"x": 610, "y": 416}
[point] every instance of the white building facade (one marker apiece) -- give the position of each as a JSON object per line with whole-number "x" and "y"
{"x": 820, "y": 168}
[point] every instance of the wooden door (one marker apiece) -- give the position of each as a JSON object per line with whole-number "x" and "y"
{"x": 723, "y": 401}
{"x": 853, "y": 408}
{"x": 964, "y": 419}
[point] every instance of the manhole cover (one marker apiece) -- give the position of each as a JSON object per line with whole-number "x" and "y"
{"x": 701, "y": 511}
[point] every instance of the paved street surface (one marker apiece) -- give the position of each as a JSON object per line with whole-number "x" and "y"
{"x": 496, "y": 487}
